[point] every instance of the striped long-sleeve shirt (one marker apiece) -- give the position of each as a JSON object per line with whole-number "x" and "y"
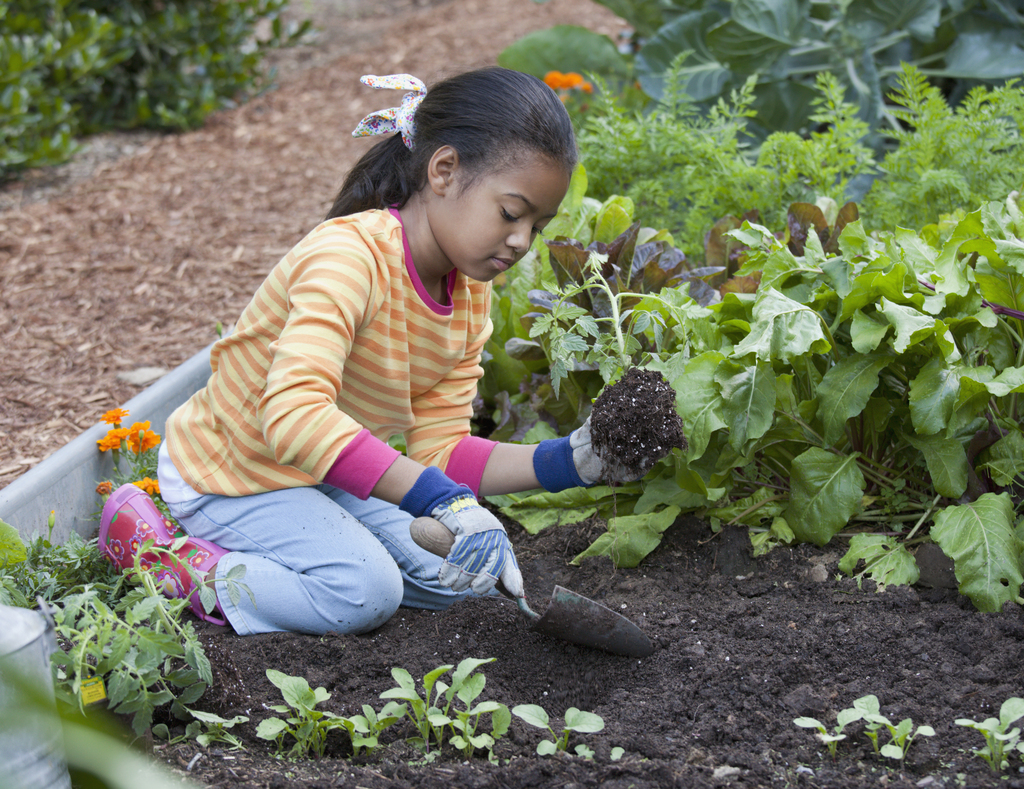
{"x": 340, "y": 349}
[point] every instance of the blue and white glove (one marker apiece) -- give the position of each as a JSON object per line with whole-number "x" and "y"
{"x": 572, "y": 462}
{"x": 482, "y": 554}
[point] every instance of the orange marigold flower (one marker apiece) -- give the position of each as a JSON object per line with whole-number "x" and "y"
{"x": 115, "y": 416}
{"x": 151, "y": 486}
{"x": 574, "y": 80}
{"x": 554, "y": 80}
{"x": 105, "y": 488}
{"x": 149, "y": 440}
{"x": 586, "y": 87}
{"x": 112, "y": 440}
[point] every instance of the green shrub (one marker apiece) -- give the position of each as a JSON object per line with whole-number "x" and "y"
{"x": 80, "y": 66}
{"x": 46, "y": 49}
{"x": 183, "y": 60}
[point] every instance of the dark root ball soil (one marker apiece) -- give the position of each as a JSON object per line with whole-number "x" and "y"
{"x": 635, "y": 421}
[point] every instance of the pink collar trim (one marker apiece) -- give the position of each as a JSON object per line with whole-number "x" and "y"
{"x": 440, "y": 309}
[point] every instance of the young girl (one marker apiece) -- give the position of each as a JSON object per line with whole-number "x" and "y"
{"x": 372, "y": 326}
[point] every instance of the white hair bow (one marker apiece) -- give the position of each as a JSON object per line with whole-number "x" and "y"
{"x": 394, "y": 119}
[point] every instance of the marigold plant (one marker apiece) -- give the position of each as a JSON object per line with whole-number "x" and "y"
{"x": 137, "y": 446}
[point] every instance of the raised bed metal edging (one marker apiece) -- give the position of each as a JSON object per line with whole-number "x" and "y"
{"x": 66, "y": 481}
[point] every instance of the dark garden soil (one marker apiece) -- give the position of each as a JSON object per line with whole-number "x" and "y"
{"x": 742, "y": 648}
{"x": 635, "y": 421}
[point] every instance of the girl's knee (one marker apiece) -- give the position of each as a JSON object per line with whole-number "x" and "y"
{"x": 380, "y": 602}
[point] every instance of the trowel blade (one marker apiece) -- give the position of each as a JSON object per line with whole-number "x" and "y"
{"x": 580, "y": 620}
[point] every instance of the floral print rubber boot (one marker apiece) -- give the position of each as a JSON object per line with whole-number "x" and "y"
{"x": 129, "y": 519}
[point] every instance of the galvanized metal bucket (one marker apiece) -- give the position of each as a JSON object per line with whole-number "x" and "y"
{"x": 31, "y": 739}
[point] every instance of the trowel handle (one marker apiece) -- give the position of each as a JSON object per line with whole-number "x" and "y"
{"x": 432, "y": 535}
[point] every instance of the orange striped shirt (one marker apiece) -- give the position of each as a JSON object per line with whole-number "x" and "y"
{"x": 341, "y": 336}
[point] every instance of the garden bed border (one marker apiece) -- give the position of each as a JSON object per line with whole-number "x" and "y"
{"x": 65, "y": 482}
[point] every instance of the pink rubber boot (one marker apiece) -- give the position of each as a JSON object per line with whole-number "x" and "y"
{"x": 129, "y": 519}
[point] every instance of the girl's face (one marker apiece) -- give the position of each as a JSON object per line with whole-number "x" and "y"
{"x": 486, "y": 227}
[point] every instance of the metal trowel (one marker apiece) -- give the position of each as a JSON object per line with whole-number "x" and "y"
{"x": 569, "y": 616}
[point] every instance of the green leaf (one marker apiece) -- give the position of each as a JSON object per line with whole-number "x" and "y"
{"x": 699, "y": 402}
{"x": 631, "y": 537}
{"x": 886, "y": 561}
{"x": 270, "y": 728}
{"x": 911, "y": 325}
{"x": 748, "y": 400}
{"x": 866, "y": 332}
{"x": 826, "y": 491}
{"x": 780, "y": 20}
{"x": 532, "y": 714}
{"x": 947, "y": 463}
{"x": 583, "y": 722}
{"x": 919, "y": 17}
{"x": 782, "y": 328}
{"x": 1004, "y": 460}
{"x": 742, "y": 49}
{"x": 12, "y": 549}
{"x": 980, "y": 539}
{"x": 845, "y": 390}
{"x": 701, "y": 75}
{"x": 564, "y": 48}
{"x": 971, "y": 55}
{"x": 933, "y": 394}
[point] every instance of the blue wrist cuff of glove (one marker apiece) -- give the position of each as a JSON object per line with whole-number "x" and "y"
{"x": 431, "y": 489}
{"x": 552, "y": 463}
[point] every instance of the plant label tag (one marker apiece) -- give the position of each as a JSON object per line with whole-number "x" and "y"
{"x": 93, "y": 690}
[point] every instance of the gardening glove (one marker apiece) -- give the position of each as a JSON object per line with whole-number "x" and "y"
{"x": 482, "y": 553}
{"x": 572, "y": 461}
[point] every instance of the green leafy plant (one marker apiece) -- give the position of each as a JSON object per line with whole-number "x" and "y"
{"x": 942, "y": 158}
{"x": 873, "y": 389}
{"x": 41, "y": 569}
{"x": 831, "y": 739}
{"x": 309, "y": 727}
{"x": 206, "y": 728}
{"x": 574, "y": 721}
{"x": 902, "y": 734}
{"x": 464, "y": 722}
{"x": 147, "y": 657}
{"x": 1000, "y": 739}
{"x": 434, "y": 712}
{"x": 80, "y": 66}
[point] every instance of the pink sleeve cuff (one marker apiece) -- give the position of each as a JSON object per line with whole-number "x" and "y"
{"x": 467, "y": 461}
{"x": 361, "y": 464}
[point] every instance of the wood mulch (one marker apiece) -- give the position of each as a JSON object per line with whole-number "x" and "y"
{"x": 131, "y": 255}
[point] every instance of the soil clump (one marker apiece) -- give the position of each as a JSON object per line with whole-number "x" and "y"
{"x": 737, "y": 658}
{"x": 635, "y": 421}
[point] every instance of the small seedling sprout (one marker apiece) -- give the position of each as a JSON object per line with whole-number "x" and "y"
{"x": 1000, "y": 739}
{"x": 575, "y": 721}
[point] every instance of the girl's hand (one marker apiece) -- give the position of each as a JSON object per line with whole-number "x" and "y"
{"x": 593, "y": 468}
{"x": 482, "y": 553}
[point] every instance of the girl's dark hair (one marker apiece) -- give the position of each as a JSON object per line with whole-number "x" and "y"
{"x": 489, "y": 116}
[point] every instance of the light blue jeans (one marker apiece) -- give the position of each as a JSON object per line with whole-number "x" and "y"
{"x": 316, "y": 559}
